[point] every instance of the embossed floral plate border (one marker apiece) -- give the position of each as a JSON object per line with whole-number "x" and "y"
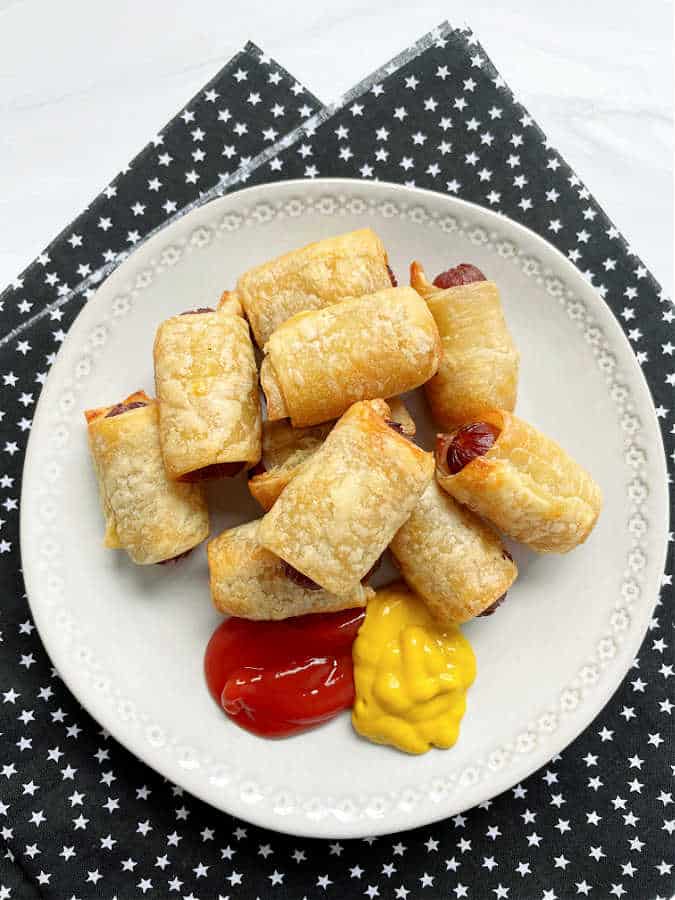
{"x": 257, "y": 781}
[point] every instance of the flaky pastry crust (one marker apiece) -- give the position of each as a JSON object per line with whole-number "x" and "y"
{"x": 479, "y": 365}
{"x": 318, "y": 275}
{"x": 451, "y": 558}
{"x": 340, "y": 511}
{"x": 229, "y": 304}
{"x": 285, "y": 448}
{"x": 528, "y": 486}
{"x": 249, "y": 581}
{"x": 207, "y": 388}
{"x": 318, "y": 363}
{"x": 146, "y": 514}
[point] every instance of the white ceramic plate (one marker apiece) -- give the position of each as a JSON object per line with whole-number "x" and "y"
{"x": 129, "y": 641}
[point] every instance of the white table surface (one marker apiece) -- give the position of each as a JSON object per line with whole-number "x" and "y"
{"x": 84, "y": 85}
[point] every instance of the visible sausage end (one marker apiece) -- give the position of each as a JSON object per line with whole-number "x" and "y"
{"x": 464, "y": 273}
{"x": 456, "y": 450}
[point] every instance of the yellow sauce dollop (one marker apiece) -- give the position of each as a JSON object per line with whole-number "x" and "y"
{"x": 411, "y": 674}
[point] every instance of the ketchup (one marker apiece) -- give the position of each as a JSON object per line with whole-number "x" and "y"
{"x": 279, "y": 678}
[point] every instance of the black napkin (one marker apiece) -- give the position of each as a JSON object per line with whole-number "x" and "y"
{"x": 85, "y": 817}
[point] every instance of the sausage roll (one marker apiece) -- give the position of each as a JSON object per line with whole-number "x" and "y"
{"x": 452, "y": 559}
{"x": 318, "y": 363}
{"x": 522, "y": 481}
{"x": 479, "y": 365}
{"x": 285, "y": 448}
{"x": 207, "y": 388}
{"x": 146, "y": 514}
{"x": 340, "y": 511}
{"x": 249, "y": 581}
{"x": 312, "y": 277}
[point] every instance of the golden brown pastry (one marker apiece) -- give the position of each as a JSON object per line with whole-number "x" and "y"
{"x": 146, "y": 514}
{"x": 285, "y": 448}
{"x": 340, "y": 511}
{"x": 229, "y": 303}
{"x": 318, "y": 363}
{"x": 452, "y": 559}
{"x": 312, "y": 277}
{"x": 207, "y": 388}
{"x": 479, "y": 366}
{"x": 249, "y": 581}
{"x": 523, "y": 482}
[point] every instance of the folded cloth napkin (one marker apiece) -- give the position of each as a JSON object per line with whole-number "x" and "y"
{"x": 81, "y": 815}
{"x": 194, "y": 158}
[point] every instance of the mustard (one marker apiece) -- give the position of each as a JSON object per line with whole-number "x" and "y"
{"x": 411, "y": 674}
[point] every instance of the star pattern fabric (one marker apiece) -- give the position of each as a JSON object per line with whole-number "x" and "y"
{"x": 80, "y": 817}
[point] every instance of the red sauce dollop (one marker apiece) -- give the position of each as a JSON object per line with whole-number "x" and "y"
{"x": 279, "y": 678}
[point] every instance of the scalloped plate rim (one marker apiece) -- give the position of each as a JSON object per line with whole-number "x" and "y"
{"x": 300, "y": 824}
